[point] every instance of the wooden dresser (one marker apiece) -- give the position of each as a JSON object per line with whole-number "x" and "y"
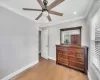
{"x": 75, "y": 57}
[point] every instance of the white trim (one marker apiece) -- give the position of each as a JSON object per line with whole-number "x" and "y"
{"x": 15, "y": 11}
{"x": 30, "y": 18}
{"x": 65, "y": 21}
{"x": 52, "y": 58}
{"x": 93, "y": 11}
{"x": 74, "y": 19}
{"x": 89, "y": 76}
{"x": 96, "y": 7}
{"x": 19, "y": 71}
{"x": 89, "y": 8}
{"x": 44, "y": 56}
{"x": 50, "y": 24}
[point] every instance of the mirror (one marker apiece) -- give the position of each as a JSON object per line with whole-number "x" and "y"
{"x": 71, "y": 36}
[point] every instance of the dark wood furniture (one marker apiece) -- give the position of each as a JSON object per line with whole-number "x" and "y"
{"x": 72, "y": 56}
{"x": 75, "y": 39}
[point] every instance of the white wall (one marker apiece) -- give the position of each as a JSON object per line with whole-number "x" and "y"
{"x": 18, "y": 42}
{"x": 54, "y": 35}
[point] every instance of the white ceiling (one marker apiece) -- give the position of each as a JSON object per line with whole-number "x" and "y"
{"x": 68, "y": 7}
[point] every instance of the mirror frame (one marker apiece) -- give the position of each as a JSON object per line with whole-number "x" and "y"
{"x": 72, "y": 28}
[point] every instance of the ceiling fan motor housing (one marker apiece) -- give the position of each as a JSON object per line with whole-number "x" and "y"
{"x": 45, "y": 2}
{"x": 46, "y": 9}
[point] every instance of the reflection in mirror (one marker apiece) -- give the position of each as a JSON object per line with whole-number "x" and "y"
{"x": 71, "y": 36}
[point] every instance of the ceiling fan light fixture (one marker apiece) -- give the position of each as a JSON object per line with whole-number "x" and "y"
{"x": 45, "y": 13}
{"x": 46, "y": 9}
{"x": 74, "y": 13}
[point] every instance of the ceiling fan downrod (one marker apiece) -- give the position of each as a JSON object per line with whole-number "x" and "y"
{"x": 45, "y": 2}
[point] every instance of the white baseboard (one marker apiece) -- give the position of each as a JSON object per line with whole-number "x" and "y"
{"x": 89, "y": 76}
{"x": 44, "y": 56}
{"x": 52, "y": 58}
{"x": 19, "y": 71}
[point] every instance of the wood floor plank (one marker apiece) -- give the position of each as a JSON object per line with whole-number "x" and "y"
{"x": 48, "y": 70}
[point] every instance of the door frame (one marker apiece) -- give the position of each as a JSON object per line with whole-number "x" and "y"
{"x": 46, "y": 56}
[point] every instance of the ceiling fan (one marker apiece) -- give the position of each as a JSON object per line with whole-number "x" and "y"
{"x": 46, "y": 10}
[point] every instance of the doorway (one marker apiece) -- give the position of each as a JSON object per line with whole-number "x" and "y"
{"x": 44, "y": 44}
{"x": 39, "y": 46}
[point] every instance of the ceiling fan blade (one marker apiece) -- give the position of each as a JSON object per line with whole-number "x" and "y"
{"x": 38, "y": 16}
{"x": 49, "y": 18}
{"x": 41, "y": 4}
{"x": 56, "y": 13}
{"x": 32, "y": 9}
{"x": 54, "y": 4}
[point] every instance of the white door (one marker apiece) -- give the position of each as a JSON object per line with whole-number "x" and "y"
{"x": 44, "y": 44}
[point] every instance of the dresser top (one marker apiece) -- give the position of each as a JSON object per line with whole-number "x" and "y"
{"x": 71, "y": 46}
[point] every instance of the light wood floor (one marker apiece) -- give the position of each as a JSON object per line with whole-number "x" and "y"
{"x": 48, "y": 70}
{"x": 41, "y": 59}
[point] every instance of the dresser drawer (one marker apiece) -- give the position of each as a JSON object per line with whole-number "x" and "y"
{"x": 62, "y": 54}
{"x": 80, "y": 50}
{"x": 60, "y": 60}
{"x": 65, "y": 55}
{"x": 75, "y": 59}
{"x": 59, "y": 55}
{"x": 76, "y": 65}
{"x": 66, "y": 61}
{"x": 80, "y": 60}
{"x": 80, "y": 55}
{"x": 61, "y": 48}
{"x": 72, "y": 56}
{"x": 59, "y": 51}
{"x": 72, "y": 49}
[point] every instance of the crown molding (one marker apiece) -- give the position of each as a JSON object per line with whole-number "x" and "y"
{"x": 93, "y": 11}
{"x": 15, "y": 11}
{"x": 88, "y": 8}
{"x": 48, "y": 24}
{"x": 65, "y": 21}
{"x": 77, "y": 18}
